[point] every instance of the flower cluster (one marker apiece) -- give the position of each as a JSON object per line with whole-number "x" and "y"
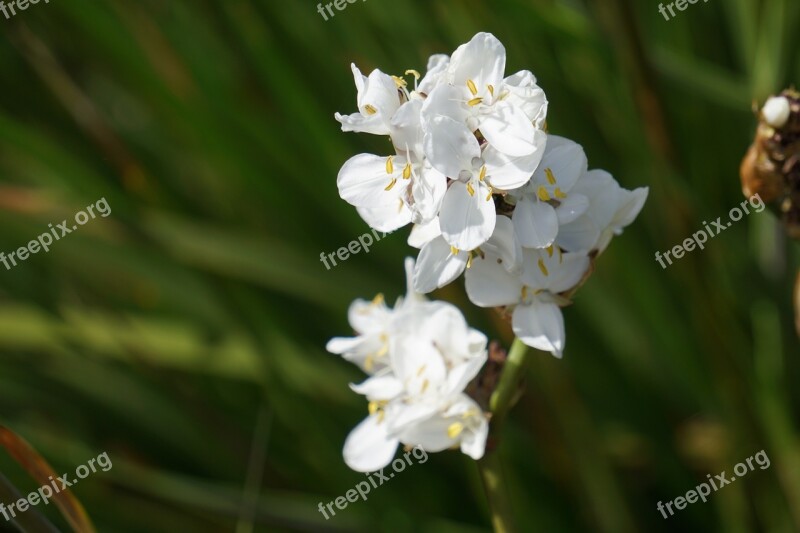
{"x": 420, "y": 356}
{"x": 488, "y": 190}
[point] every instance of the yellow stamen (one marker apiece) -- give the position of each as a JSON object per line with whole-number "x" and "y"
{"x": 550, "y": 251}
{"x": 381, "y": 416}
{"x": 383, "y": 351}
{"x": 491, "y": 90}
{"x": 425, "y": 386}
{"x": 543, "y": 268}
{"x": 407, "y": 171}
{"x": 524, "y": 292}
{"x": 400, "y": 82}
{"x": 455, "y": 429}
{"x": 369, "y": 364}
{"x": 475, "y": 101}
{"x": 391, "y": 184}
{"x": 482, "y": 175}
{"x": 469, "y": 261}
{"x": 370, "y": 109}
{"x": 560, "y": 195}
{"x": 489, "y": 196}
{"x": 390, "y": 165}
{"x": 472, "y": 88}
{"x": 414, "y": 73}
{"x": 470, "y": 189}
{"x": 454, "y": 250}
{"x": 551, "y": 179}
{"x": 421, "y": 370}
{"x": 378, "y": 299}
{"x": 543, "y": 194}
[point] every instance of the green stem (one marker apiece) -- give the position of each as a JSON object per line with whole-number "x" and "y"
{"x": 503, "y": 398}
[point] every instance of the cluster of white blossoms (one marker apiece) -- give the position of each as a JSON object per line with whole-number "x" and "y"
{"x": 420, "y": 356}
{"x": 487, "y": 189}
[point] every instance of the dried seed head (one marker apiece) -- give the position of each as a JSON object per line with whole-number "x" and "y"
{"x": 771, "y": 167}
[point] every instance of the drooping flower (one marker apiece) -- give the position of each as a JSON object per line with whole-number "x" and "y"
{"x": 415, "y": 394}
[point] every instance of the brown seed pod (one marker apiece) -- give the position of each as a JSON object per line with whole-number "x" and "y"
{"x": 771, "y": 167}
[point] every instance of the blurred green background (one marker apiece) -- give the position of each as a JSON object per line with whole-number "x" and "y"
{"x": 184, "y": 334}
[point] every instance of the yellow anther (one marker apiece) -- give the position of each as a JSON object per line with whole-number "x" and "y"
{"x": 482, "y": 175}
{"x": 469, "y": 413}
{"x": 475, "y": 101}
{"x": 370, "y": 109}
{"x": 391, "y": 184}
{"x": 369, "y": 364}
{"x": 551, "y": 179}
{"x": 390, "y": 165}
{"x": 469, "y": 261}
{"x": 560, "y": 195}
{"x": 491, "y": 90}
{"x": 550, "y": 251}
{"x": 425, "y": 386}
{"x": 470, "y": 189}
{"x": 400, "y": 82}
{"x": 381, "y": 415}
{"x": 407, "y": 171}
{"x": 489, "y": 196}
{"x": 472, "y": 88}
{"x": 383, "y": 351}
{"x": 421, "y": 370}
{"x": 454, "y": 250}
{"x": 543, "y": 194}
{"x": 542, "y": 267}
{"x": 524, "y": 292}
{"x": 378, "y": 300}
{"x": 455, "y": 429}
{"x": 414, "y": 73}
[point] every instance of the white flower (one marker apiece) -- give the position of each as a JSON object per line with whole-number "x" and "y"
{"x": 467, "y": 215}
{"x": 477, "y": 95}
{"x": 546, "y": 201}
{"x": 378, "y": 100}
{"x": 611, "y": 208}
{"x": 416, "y": 394}
{"x": 534, "y": 294}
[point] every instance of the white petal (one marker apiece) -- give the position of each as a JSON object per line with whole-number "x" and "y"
{"x": 363, "y": 180}
{"x": 473, "y": 442}
{"x": 508, "y": 129}
{"x": 579, "y": 235}
{"x": 406, "y": 128}
{"x": 511, "y": 172}
{"x": 503, "y": 244}
{"x": 573, "y": 206}
{"x": 380, "y": 92}
{"x": 467, "y": 221}
{"x": 379, "y": 387}
{"x": 555, "y": 273}
{"x": 343, "y": 345}
{"x": 536, "y": 223}
{"x": 436, "y": 71}
{"x": 566, "y": 161}
{"x": 387, "y": 218}
{"x": 430, "y": 434}
{"x": 421, "y": 234}
{"x": 488, "y": 284}
{"x": 444, "y": 101}
{"x": 369, "y": 447}
{"x": 632, "y": 204}
{"x": 460, "y": 375}
{"x": 540, "y": 325}
{"x": 437, "y": 266}
{"x": 482, "y": 61}
{"x": 428, "y": 191}
{"x": 450, "y": 146}
{"x": 525, "y": 94}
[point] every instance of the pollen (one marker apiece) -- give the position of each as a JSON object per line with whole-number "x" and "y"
{"x": 491, "y": 89}
{"x": 483, "y": 173}
{"x": 391, "y": 184}
{"x": 475, "y": 101}
{"x": 407, "y": 171}
{"x": 455, "y": 429}
{"x": 543, "y": 268}
{"x": 390, "y": 165}
{"x": 470, "y": 189}
{"x": 543, "y": 194}
{"x": 560, "y": 195}
{"x": 551, "y": 179}
{"x": 472, "y": 88}
{"x": 370, "y": 109}
{"x": 400, "y": 82}
{"x": 454, "y": 250}
{"x": 378, "y": 300}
